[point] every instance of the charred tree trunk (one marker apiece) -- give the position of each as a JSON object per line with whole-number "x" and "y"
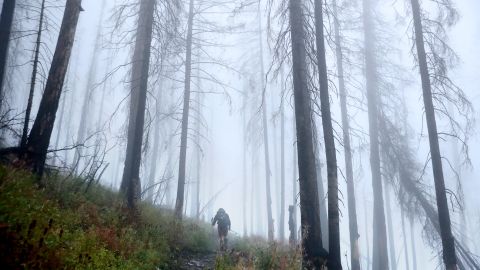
{"x": 313, "y": 253}
{"x": 23, "y": 141}
{"x": 448, "y": 242}
{"x": 39, "y": 138}
{"x": 294, "y": 185}
{"x": 334, "y": 258}
{"x": 186, "y": 109}
{"x": 6, "y": 20}
{"x": 130, "y": 185}
{"x": 265, "y": 134}
{"x": 352, "y": 208}
{"x": 380, "y": 249}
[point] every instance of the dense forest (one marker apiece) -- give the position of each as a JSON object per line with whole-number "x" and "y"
{"x": 336, "y": 134}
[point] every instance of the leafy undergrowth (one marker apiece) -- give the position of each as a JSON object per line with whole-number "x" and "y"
{"x": 256, "y": 253}
{"x": 61, "y": 226}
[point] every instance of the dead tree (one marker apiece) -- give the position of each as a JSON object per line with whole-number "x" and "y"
{"x": 6, "y": 20}
{"x": 335, "y": 256}
{"x": 314, "y": 255}
{"x": 448, "y": 241}
{"x": 28, "y": 110}
{"x": 380, "y": 249}
{"x": 185, "y": 115}
{"x": 39, "y": 138}
{"x": 130, "y": 185}
{"x": 265, "y": 132}
{"x": 352, "y": 211}
{"x": 282, "y": 163}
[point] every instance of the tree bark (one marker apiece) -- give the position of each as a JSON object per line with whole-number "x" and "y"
{"x": 335, "y": 259}
{"x": 39, "y": 138}
{"x": 352, "y": 211}
{"x": 186, "y": 109}
{"x": 23, "y": 141}
{"x": 448, "y": 242}
{"x": 268, "y": 173}
{"x": 130, "y": 185}
{"x": 313, "y": 254}
{"x": 380, "y": 249}
{"x": 6, "y": 20}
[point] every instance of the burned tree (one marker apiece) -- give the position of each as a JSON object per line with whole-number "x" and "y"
{"x": 6, "y": 20}
{"x": 138, "y": 94}
{"x": 39, "y": 138}
{"x": 185, "y": 115}
{"x": 448, "y": 241}
{"x": 352, "y": 211}
{"x": 380, "y": 249}
{"x": 334, "y": 258}
{"x": 313, "y": 253}
{"x": 23, "y": 140}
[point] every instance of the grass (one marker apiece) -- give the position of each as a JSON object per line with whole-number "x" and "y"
{"x": 62, "y": 227}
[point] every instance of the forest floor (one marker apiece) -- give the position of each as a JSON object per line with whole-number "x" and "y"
{"x": 68, "y": 224}
{"x": 198, "y": 261}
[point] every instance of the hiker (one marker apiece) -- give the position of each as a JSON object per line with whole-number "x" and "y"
{"x": 223, "y": 221}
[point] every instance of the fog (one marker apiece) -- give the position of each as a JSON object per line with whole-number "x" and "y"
{"x": 225, "y": 149}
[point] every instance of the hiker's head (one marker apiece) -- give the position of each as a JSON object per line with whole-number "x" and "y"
{"x": 221, "y": 210}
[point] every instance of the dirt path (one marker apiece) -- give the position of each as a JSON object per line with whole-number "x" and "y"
{"x": 198, "y": 261}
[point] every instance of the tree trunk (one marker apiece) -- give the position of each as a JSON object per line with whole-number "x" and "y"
{"x": 391, "y": 237}
{"x": 244, "y": 160}
{"x": 6, "y": 19}
{"x": 268, "y": 173}
{"x": 321, "y": 191}
{"x": 352, "y": 211}
{"x": 39, "y": 138}
{"x": 405, "y": 246}
{"x": 380, "y": 249}
{"x": 335, "y": 256}
{"x": 294, "y": 185}
{"x": 156, "y": 143}
{"x": 130, "y": 185}
{"x": 197, "y": 142}
{"x": 366, "y": 236}
{"x": 23, "y": 141}
{"x": 186, "y": 109}
{"x": 85, "y": 112}
{"x": 313, "y": 253}
{"x": 448, "y": 242}
{"x": 282, "y": 162}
